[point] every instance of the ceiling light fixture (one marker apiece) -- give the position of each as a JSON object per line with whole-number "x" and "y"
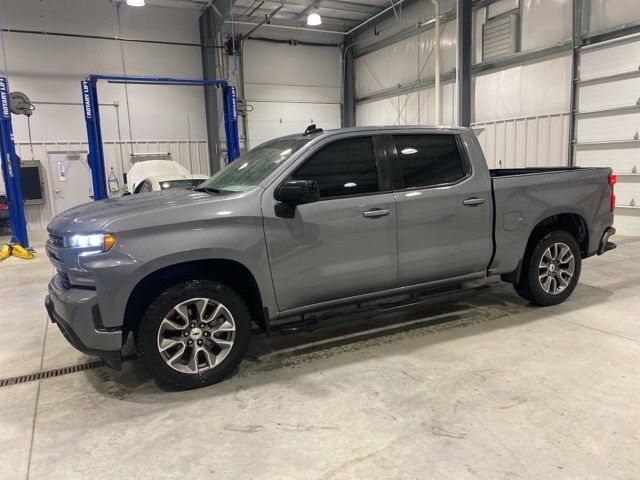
{"x": 135, "y": 3}
{"x": 313, "y": 20}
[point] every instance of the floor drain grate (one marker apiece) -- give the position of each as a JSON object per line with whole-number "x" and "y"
{"x": 57, "y": 372}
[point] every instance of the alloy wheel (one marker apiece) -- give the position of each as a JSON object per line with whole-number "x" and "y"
{"x": 196, "y": 335}
{"x": 556, "y": 268}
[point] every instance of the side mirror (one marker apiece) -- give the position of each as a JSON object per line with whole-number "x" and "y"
{"x": 295, "y": 192}
{"x": 298, "y": 192}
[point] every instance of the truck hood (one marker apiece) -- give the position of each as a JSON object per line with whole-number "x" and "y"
{"x": 92, "y": 217}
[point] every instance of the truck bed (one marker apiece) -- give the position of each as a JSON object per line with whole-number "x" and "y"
{"x": 523, "y": 197}
{"x": 506, "y": 172}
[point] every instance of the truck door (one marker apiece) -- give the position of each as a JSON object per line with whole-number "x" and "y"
{"x": 343, "y": 245}
{"x": 443, "y": 208}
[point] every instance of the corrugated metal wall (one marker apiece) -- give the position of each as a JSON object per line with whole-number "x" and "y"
{"x": 521, "y": 113}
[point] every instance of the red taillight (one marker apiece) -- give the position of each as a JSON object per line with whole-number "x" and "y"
{"x": 612, "y": 181}
{"x": 4, "y": 206}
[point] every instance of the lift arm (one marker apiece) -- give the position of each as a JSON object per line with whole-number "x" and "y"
{"x": 94, "y": 130}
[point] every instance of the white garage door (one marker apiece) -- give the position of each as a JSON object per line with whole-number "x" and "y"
{"x": 608, "y": 121}
{"x": 301, "y": 88}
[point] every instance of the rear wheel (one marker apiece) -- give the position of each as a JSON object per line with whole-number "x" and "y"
{"x": 551, "y": 269}
{"x": 194, "y": 334}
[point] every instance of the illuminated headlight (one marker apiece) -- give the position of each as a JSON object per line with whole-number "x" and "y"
{"x": 102, "y": 241}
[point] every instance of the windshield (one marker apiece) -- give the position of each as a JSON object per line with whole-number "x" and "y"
{"x": 186, "y": 184}
{"x": 250, "y": 169}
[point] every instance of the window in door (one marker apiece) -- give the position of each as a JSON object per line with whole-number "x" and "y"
{"x": 345, "y": 167}
{"x": 427, "y": 160}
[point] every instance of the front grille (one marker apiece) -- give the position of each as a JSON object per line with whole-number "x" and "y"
{"x": 56, "y": 240}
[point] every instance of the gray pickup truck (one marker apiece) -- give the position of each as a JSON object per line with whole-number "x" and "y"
{"x": 314, "y": 228}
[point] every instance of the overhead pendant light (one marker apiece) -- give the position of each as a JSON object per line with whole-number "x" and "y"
{"x": 135, "y": 3}
{"x": 313, "y": 20}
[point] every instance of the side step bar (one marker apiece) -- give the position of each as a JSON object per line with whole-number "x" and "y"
{"x": 315, "y": 322}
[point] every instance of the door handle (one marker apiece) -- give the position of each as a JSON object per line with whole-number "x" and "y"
{"x": 375, "y": 213}
{"x": 473, "y": 201}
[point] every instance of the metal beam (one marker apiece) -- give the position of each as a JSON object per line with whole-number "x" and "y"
{"x": 348, "y": 85}
{"x": 388, "y": 13}
{"x": 299, "y": 17}
{"x": 381, "y": 16}
{"x": 295, "y": 26}
{"x": 405, "y": 88}
{"x": 398, "y": 36}
{"x": 522, "y": 57}
{"x": 307, "y": 9}
{"x": 338, "y": 5}
{"x": 463, "y": 70}
{"x": 578, "y": 27}
{"x": 211, "y": 31}
{"x": 611, "y": 33}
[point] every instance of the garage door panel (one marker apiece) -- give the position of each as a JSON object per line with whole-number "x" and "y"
{"x": 610, "y": 80}
{"x": 611, "y": 127}
{"x": 627, "y": 191}
{"x": 621, "y": 159}
{"x": 605, "y": 95}
{"x": 269, "y": 120}
{"x": 609, "y": 60}
{"x": 628, "y": 220}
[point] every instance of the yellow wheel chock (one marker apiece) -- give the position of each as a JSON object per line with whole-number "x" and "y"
{"x": 13, "y": 249}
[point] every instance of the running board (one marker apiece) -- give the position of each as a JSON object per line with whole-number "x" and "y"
{"x": 320, "y": 321}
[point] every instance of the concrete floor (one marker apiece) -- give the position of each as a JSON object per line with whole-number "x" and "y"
{"x": 486, "y": 388}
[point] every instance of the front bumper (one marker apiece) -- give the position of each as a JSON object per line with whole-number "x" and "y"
{"x": 77, "y": 314}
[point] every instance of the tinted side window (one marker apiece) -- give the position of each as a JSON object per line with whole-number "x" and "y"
{"x": 425, "y": 160}
{"x": 345, "y": 167}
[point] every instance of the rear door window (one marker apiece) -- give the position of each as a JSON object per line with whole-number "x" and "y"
{"x": 427, "y": 160}
{"x": 345, "y": 167}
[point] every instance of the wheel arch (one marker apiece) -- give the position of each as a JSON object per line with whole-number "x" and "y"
{"x": 572, "y": 222}
{"x": 230, "y": 272}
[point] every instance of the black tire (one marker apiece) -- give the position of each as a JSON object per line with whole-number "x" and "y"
{"x": 149, "y": 334}
{"x": 530, "y": 286}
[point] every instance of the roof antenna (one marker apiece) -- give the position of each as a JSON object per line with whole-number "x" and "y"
{"x": 312, "y": 129}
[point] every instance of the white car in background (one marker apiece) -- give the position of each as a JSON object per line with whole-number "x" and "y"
{"x": 156, "y": 175}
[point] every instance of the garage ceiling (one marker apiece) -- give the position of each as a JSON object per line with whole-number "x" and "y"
{"x": 340, "y": 15}
{"x": 337, "y": 15}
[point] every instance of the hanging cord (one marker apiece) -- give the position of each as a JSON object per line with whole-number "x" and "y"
{"x": 124, "y": 72}
{"x": 424, "y": 65}
{"x": 33, "y": 156}
{"x": 4, "y": 50}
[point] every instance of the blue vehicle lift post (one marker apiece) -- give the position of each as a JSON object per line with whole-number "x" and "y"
{"x": 94, "y": 131}
{"x": 11, "y": 171}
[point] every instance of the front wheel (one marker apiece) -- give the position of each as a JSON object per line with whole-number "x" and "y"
{"x": 551, "y": 269}
{"x": 194, "y": 334}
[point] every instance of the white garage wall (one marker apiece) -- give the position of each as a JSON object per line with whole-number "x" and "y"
{"x": 522, "y": 112}
{"x": 531, "y": 89}
{"x": 49, "y": 69}
{"x": 301, "y": 88}
{"x": 416, "y": 108}
{"x": 611, "y": 13}
{"x": 405, "y": 62}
